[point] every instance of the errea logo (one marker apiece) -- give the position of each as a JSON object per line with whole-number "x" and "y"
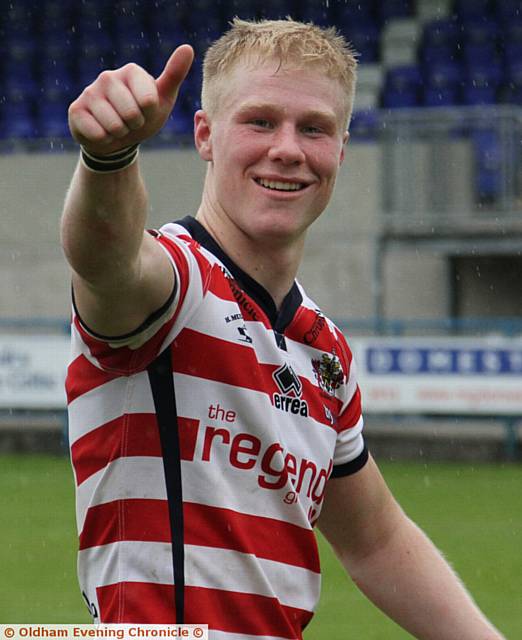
{"x": 291, "y": 388}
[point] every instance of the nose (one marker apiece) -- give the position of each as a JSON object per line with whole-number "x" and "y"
{"x": 285, "y": 147}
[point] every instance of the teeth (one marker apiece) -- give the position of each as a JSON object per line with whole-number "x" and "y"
{"x": 280, "y": 186}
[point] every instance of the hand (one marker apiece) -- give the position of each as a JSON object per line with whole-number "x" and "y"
{"x": 127, "y": 105}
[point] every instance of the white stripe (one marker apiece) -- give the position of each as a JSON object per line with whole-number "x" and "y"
{"x": 204, "y": 567}
{"x": 299, "y": 355}
{"x": 78, "y": 347}
{"x": 236, "y": 571}
{"x": 256, "y": 415}
{"x": 143, "y": 477}
{"x": 124, "y": 478}
{"x": 109, "y": 401}
{"x": 350, "y": 444}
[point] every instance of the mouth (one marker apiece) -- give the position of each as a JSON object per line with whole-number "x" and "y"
{"x": 282, "y": 186}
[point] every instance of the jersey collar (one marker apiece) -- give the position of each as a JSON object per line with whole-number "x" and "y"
{"x": 293, "y": 299}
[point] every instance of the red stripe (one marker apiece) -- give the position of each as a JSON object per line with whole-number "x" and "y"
{"x": 237, "y": 365}
{"x": 230, "y": 363}
{"x": 147, "y": 520}
{"x": 124, "y": 360}
{"x": 263, "y": 537}
{"x": 83, "y": 376}
{"x": 133, "y": 434}
{"x": 137, "y": 519}
{"x": 229, "y": 611}
{"x": 352, "y": 413}
{"x": 179, "y": 257}
{"x": 311, "y": 328}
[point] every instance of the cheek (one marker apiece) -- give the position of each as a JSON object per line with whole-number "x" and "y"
{"x": 237, "y": 154}
{"x": 324, "y": 160}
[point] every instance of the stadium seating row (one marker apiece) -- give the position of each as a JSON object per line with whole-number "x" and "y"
{"x": 50, "y": 50}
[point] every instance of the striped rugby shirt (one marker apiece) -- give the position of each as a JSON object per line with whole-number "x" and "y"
{"x": 201, "y": 446}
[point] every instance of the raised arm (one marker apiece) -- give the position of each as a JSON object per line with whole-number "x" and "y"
{"x": 393, "y": 562}
{"x": 120, "y": 274}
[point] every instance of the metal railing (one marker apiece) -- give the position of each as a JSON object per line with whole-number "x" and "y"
{"x": 446, "y": 326}
{"x": 452, "y": 168}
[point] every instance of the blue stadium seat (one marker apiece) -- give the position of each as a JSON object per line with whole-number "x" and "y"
{"x": 364, "y": 125}
{"x": 179, "y": 123}
{"x": 480, "y": 31}
{"x": 479, "y": 54}
{"x": 440, "y": 39}
{"x": 56, "y": 19}
{"x": 57, "y": 84}
{"x": 94, "y": 45}
{"x": 161, "y": 46}
{"x": 131, "y": 47}
{"x": 365, "y": 39}
{"x": 19, "y": 18}
{"x": 402, "y": 87}
{"x": 51, "y": 120}
{"x": 16, "y": 120}
{"x": 318, "y": 14}
{"x": 482, "y": 84}
{"x": 394, "y": 9}
{"x": 488, "y": 165}
{"x": 512, "y": 44}
{"x": 508, "y": 11}
{"x": 468, "y": 10}
{"x": 55, "y": 49}
{"x": 20, "y": 81}
{"x": 512, "y": 91}
{"x": 442, "y": 85}
{"x": 355, "y": 14}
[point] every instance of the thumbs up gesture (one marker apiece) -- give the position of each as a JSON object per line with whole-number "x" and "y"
{"x": 127, "y": 106}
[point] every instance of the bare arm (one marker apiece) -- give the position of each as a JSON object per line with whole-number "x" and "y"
{"x": 120, "y": 274}
{"x": 394, "y": 563}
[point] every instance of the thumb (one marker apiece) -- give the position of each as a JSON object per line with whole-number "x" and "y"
{"x": 174, "y": 73}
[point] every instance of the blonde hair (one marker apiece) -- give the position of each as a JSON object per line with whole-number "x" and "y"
{"x": 291, "y": 43}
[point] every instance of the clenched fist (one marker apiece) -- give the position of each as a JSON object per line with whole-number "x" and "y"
{"x": 127, "y": 105}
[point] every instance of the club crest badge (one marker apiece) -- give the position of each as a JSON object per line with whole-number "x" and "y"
{"x": 328, "y": 372}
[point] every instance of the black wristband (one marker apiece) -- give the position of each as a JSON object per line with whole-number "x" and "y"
{"x": 111, "y": 162}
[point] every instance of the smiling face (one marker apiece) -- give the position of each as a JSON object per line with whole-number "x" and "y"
{"x": 274, "y": 146}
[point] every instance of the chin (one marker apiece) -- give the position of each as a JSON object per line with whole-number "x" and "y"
{"x": 278, "y": 231}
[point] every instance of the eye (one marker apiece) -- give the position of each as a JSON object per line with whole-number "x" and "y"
{"x": 261, "y": 122}
{"x": 311, "y": 130}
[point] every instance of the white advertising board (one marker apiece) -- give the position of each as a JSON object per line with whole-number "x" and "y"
{"x": 32, "y": 371}
{"x": 476, "y": 376}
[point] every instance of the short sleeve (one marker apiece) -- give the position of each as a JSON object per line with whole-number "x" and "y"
{"x": 134, "y": 351}
{"x": 351, "y": 453}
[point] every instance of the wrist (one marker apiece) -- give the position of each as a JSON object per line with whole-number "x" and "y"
{"x": 111, "y": 162}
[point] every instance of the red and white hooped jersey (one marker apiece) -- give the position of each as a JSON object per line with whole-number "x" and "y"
{"x": 201, "y": 446}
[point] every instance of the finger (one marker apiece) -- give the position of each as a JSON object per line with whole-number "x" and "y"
{"x": 108, "y": 118}
{"x": 86, "y": 129}
{"x": 143, "y": 88}
{"x": 174, "y": 73}
{"x": 124, "y": 104}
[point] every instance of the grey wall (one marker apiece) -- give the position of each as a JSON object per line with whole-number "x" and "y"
{"x": 338, "y": 266}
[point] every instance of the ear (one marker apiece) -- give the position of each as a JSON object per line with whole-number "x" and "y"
{"x": 202, "y": 135}
{"x": 346, "y": 137}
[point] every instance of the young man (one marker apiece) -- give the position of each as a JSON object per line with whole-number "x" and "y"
{"x": 215, "y": 415}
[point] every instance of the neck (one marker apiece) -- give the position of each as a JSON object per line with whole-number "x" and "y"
{"x": 273, "y": 264}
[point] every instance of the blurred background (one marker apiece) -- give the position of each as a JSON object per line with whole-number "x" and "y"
{"x": 418, "y": 258}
